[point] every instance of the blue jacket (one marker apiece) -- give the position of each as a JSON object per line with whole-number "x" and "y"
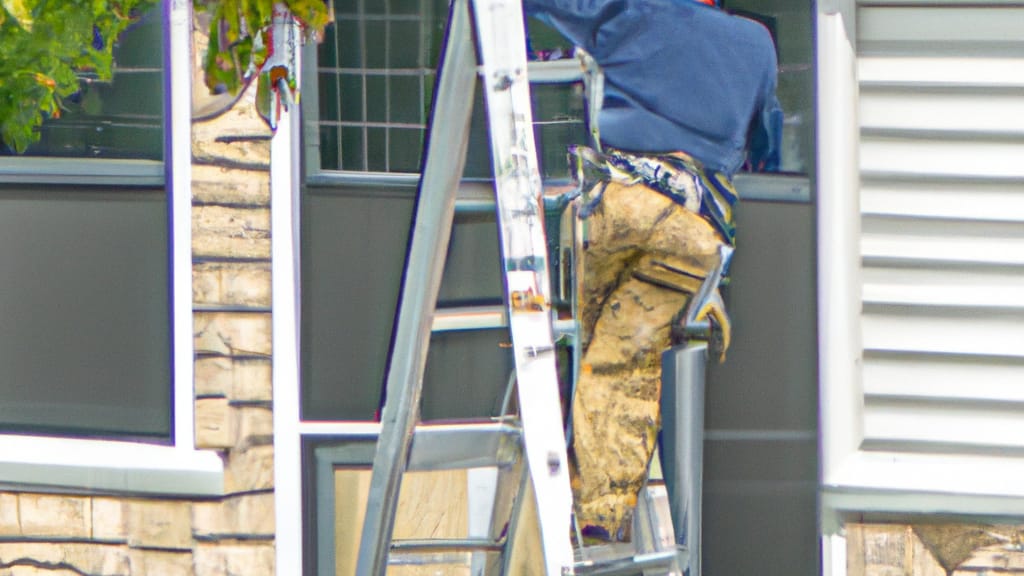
{"x": 679, "y": 76}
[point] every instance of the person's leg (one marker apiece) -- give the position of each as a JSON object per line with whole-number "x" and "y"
{"x": 638, "y": 243}
{"x": 615, "y": 408}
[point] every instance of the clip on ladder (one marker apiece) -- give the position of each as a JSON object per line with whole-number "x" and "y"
{"x": 502, "y": 48}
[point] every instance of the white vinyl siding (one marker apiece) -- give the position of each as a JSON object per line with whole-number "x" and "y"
{"x": 941, "y": 112}
{"x": 921, "y": 298}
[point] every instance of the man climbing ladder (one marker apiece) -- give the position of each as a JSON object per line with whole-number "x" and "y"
{"x": 689, "y": 98}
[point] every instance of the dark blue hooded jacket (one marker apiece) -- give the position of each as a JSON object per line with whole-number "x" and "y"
{"x": 679, "y": 76}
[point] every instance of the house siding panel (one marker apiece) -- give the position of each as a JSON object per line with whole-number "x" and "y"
{"x": 942, "y": 135}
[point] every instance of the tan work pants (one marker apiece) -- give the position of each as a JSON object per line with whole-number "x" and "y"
{"x": 636, "y": 243}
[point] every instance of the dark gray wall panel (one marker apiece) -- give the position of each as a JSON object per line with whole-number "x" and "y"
{"x": 760, "y": 475}
{"x": 353, "y": 255}
{"x": 769, "y": 378}
{"x": 84, "y": 312}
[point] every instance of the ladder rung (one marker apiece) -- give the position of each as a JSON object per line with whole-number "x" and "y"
{"x": 440, "y": 545}
{"x": 464, "y": 445}
{"x": 650, "y": 563}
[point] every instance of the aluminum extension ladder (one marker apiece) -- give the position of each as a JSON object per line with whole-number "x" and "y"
{"x": 404, "y": 444}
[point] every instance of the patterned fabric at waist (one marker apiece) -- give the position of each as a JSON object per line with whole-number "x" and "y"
{"x": 676, "y": 175}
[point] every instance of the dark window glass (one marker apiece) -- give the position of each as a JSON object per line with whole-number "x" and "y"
{"x": 354, "y": 251}
{"x": 790, "y": 22}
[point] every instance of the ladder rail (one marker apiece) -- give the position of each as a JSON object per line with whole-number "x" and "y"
{"x": 502, "y": 44}
{"x": 445, "y": 158}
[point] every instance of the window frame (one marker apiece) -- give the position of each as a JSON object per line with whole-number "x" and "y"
{"x": 106, "y": 466}
{"x": 855, "y": 483}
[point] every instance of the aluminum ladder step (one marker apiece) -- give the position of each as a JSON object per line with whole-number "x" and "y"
{"x": 453, "y": 446}
{"x": 648, "y": 564}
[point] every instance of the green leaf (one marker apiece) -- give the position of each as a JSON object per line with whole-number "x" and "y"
{"x": 20, "y": 10}
{"x": 265, "y": 101}
{"x": 312, "y": 13}
{"x": 44, "y": 49}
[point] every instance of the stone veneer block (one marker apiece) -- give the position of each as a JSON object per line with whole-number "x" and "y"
{"x": 252, "y": 380}
{"x": 233, "y": 334}
{"x": 214, "y": 426}
{"x": 212, "y": 184}
{"x": 241, "y": 121}
{"x": 250, "y": 515}
{"x": 241, "y": 379}
{"x": 82, "y": 558}
{"x": 55, "y": 515}
{"x": 214, "y": 376}
{"x": 22, "y": 570}
{"x": 249, "y": 469}
{"x": 10, "y": 524}
{"x": 255, "y": 426}
{"x": 160, "y": 524}
{"x": 160, "y": 562}
{"x": 965, "y": 549}
{"x": 109, "y": 521}
{"x": 230, "y": 560}
{"x": 229, "y": 232}
{"x": 238, "y": 284}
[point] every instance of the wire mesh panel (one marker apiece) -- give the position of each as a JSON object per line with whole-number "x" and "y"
{"x": 376, "y": 74}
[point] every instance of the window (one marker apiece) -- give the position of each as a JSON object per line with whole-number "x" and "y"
{"x": 366, "y": 98}
{"x": 84, "y": 304}
{"x": 95, "y": 314}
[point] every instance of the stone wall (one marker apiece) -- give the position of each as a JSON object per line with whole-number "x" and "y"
{"x": 64, "y": 535}
{"x": 934, "y": 549}
{"x": 88, "y": 535}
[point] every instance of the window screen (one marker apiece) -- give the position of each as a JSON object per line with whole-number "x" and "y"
{"x": 375, "y": 75}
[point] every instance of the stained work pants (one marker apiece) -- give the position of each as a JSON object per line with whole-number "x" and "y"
{"x": 643, "y": 257}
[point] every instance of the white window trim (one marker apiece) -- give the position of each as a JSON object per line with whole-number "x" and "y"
{"x": 854, "y": 481}
{"x": 129, "y": 467}
{"x": 285, "y": 175}
{"x": 100, "y": 171}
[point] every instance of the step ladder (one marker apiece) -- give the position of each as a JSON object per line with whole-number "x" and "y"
{"x": 537, "y": 434}
{"x": 502, "y": 47}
